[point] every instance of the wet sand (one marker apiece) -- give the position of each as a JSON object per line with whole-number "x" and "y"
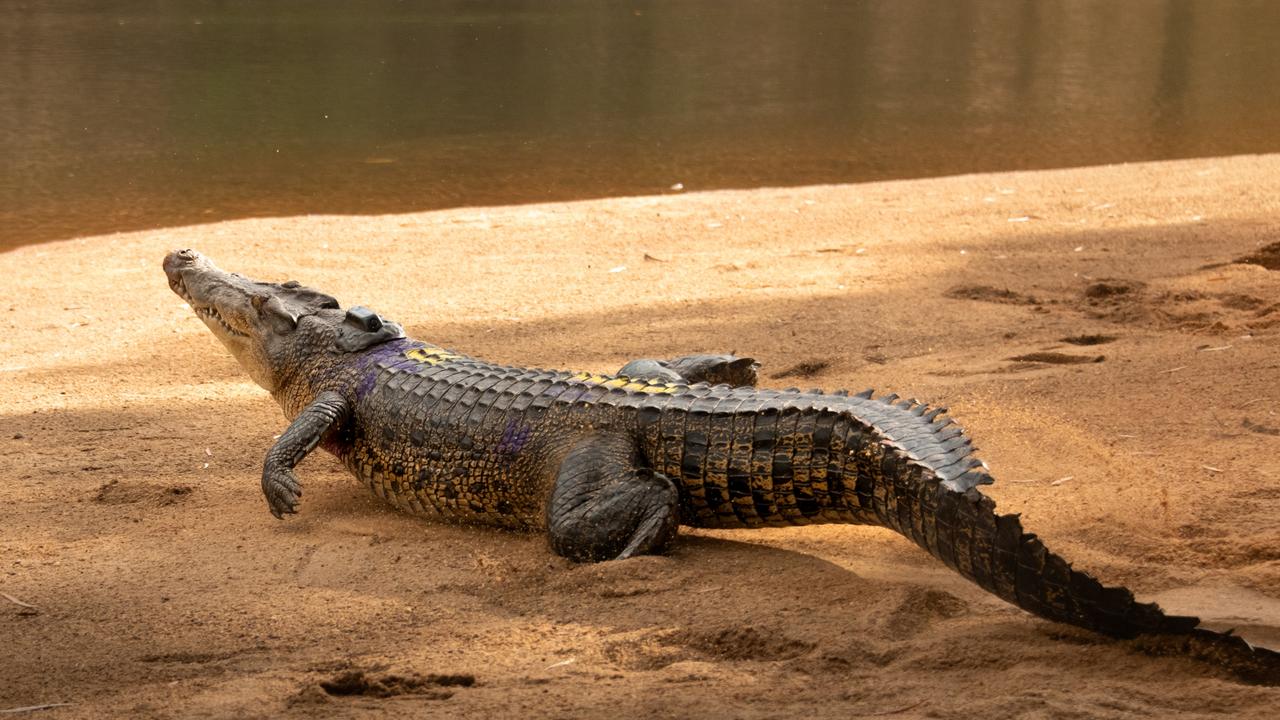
{"x": 1088, "y": 327}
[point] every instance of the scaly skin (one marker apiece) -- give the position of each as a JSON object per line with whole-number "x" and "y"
{"x": 608, "y": 466}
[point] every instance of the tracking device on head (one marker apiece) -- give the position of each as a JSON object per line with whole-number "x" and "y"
{"x": 363, "y": 328}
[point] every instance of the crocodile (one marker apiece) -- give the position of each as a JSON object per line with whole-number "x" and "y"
{"x": 608, "y": 466}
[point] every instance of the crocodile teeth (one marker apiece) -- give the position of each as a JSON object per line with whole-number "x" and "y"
{"x": 212, "y": 314}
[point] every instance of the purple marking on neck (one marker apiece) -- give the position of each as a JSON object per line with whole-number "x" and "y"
{"x": 387, "y": 352}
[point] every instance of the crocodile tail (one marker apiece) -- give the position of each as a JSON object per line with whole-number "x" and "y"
{"x": 995, "y": 552}
{"x": 927, "y": 489}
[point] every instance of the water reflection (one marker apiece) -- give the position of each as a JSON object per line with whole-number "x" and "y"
{"x": 126, "y": 115}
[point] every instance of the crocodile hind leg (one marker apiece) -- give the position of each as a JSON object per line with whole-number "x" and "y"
{"x": 690, "y": 369}
{"x": 605, "y": 506}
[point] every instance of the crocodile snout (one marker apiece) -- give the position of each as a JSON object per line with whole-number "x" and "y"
{"x": 178, "y": 266}
{"x": 178, "y": 260}
{"x": 174, "y": 262}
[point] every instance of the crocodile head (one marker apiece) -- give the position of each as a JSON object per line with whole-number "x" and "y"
{"x": 272, "y": 329}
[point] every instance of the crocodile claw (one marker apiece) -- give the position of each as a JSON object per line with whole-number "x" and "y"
{"x": 282, "y": 490}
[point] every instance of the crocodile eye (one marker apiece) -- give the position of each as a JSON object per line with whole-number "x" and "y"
{"x": 290, "y": 285}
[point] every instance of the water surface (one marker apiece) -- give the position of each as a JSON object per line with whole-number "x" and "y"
{"x": 121, "y": 115}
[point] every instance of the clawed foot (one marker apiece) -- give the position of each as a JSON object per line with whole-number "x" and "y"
{"x": 716, "y": 369}
{"x": 282, "y": 490}
{"x": 690, "y": 369}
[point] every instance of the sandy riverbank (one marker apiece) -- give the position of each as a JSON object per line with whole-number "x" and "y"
{"x": 131, "y": 444}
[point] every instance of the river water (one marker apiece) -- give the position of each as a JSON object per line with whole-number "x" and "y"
{"x": 122, "y": 115}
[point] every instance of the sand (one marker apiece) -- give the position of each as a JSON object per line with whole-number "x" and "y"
{"x": 148, "y": 580}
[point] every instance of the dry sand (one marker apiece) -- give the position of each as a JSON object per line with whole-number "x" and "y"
{"x": 130, "y": 515}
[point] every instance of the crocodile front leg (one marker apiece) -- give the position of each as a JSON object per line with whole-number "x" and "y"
{"x": 691, "y": 369}
{"x": 301, "y": 437}
{"x": 605, "y": 506}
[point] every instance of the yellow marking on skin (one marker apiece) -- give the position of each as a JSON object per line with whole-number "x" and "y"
{"x": 431, "y": 355}
{"x": 626, "y": 383}
{"x": 435, "y": 355}
{"x": 661, "y": 388}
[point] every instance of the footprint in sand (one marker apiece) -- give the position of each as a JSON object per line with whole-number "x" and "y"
{"x": 1268, "y": 257}
{"x": 1057, "y": 358}
{"x": 359, "y": 683}
{"x": 1089, "y": 339}
{"x": 986, "y": 293}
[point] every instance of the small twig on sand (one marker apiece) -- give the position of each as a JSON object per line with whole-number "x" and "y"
{"x": 15, "y": 601}
{"x": 1173, "y": 370}
{"x": 32, "y": 708}
{"x": 1210, "y": 468}
{"x": 1215, "y": 349}
{"x": 1061, "y": 480}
